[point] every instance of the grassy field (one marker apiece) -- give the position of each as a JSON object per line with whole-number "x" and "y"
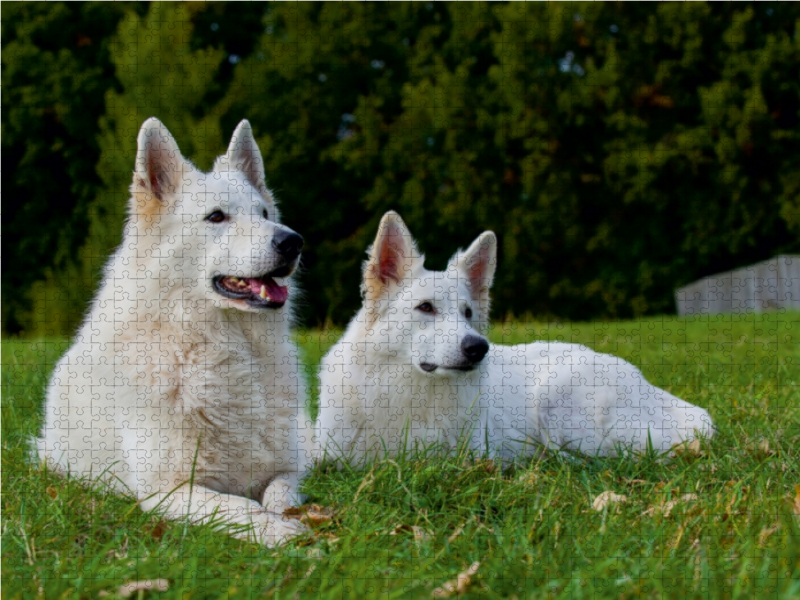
{"x": 721, "y": 522}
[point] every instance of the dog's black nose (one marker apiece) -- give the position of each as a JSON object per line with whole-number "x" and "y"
{"x": 474, "y": 348}
{"x": 288, "y": 244}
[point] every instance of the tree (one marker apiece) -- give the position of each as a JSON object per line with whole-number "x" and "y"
{"x": 56, "y": 70}
{"x": 320, "y": 75}
{"x": 618, "y": 150}
{"x": 159, "y": 74}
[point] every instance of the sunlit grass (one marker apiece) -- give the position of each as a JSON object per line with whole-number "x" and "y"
{"x": 406, "y": 526}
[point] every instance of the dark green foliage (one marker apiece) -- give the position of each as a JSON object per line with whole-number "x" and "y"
{"x": 56, "y": 70}
{"x": 619, "y": 150}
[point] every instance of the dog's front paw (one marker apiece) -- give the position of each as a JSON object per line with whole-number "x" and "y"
{"x": 282, "y": 493}
{"x": 277, "y": 529}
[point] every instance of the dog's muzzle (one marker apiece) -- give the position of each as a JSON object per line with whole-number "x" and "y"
{"x": 473, "y": 348}
{"x": 258, "y": 292}
{"x": 288, "y": 244}
{"x": 263, "y": 291}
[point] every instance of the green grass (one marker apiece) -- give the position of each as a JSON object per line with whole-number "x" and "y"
{"x": 531, "y": 526}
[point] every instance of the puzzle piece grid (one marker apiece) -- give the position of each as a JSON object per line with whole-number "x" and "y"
{"x": 167, "y": 383}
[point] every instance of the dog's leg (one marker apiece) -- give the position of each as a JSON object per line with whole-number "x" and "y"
{"x": 282, "y": 492}
{"x": 200, "y": 504}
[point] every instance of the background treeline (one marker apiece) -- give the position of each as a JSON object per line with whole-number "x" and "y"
{"x": 619, "y": 150}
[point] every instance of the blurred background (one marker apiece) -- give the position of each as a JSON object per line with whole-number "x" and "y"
{"x": 619, "y": 150}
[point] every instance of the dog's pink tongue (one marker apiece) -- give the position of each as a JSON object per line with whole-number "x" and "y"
{"x": 276, "y": 293}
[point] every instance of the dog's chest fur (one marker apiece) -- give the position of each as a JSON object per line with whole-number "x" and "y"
{"x": 236, "y": 396}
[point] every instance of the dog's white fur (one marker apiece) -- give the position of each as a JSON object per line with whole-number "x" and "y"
{"x": 376, "y": 394}
{"x": 192, "y": 401}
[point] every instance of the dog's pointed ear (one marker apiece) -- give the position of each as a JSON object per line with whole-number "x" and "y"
{"x": 160, "y": 167}
{"x": 391, "y": 257}
{"x": 477, "y": 264}
{"x": 243, "y": 155}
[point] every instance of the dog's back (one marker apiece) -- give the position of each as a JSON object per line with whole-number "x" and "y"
{"x": 569, "y": 397}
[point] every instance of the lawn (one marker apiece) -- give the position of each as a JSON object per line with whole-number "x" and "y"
{"x": 719, "y": 521}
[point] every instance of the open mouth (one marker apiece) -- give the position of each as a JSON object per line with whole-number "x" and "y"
{"x": 430, "y": 367}
{"x": 258, "y": 292}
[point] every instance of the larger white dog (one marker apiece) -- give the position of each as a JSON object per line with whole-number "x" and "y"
{"x": 182, "y": 385}
{"x": 414, "y": 365}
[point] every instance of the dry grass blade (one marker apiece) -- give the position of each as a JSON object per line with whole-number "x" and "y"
{"x": 420, "y": 534}
{"x": 635, "y": 482}
{"x": 126, "y": 590}
{"x": 459, "y": 530}
{"x": 607, "y": 498}
{"x": 693, "y": 449}
{"x": 668, "y": 506}
{"x": 796, "y": 501}
{"x": 368, "y": 480}
{"x": 763, "y": 536}
{"x": 121, "y": 552}
{"x": 458, "y": 585}
{"x": 159, "y": 527}
{"x": 312, "y": 515}
{"x": 665, "y": 508}
{"x": 760, "y": 448}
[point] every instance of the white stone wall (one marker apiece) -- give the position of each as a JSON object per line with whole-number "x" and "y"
{"x": 769, "y": 285}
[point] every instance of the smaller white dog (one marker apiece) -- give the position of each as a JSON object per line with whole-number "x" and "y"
{"x": 414, "y": 366}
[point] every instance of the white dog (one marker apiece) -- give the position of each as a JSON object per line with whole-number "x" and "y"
{"x": 415, "y": 365}
{"x": 182, "y": 385}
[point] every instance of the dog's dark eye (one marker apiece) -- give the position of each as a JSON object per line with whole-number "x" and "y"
{"x": 425, "y": 307}
{"x": 216, "y": 217}
{"x": 468, "y": 313}
{"x": 266, "y": 214}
